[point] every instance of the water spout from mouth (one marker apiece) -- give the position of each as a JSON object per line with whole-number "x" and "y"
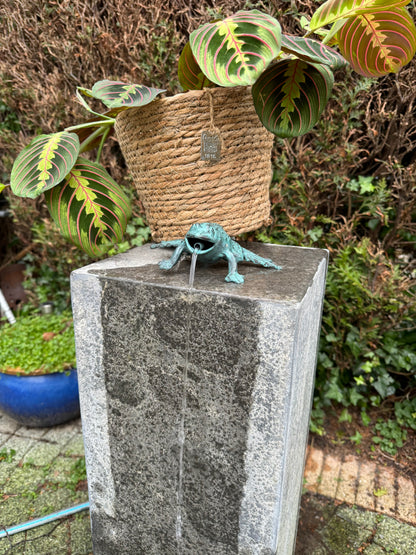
{"x": 197, "y": 247}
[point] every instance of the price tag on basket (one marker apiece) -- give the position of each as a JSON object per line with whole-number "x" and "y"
{"x": 210, "y": 146}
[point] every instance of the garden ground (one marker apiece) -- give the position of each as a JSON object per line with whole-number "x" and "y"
{"x": 352, "y": 502}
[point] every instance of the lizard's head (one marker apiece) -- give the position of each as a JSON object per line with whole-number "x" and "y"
{"x": 203, "y": 237}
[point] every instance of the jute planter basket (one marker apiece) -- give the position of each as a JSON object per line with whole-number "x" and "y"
{"x": 161, "y": 143}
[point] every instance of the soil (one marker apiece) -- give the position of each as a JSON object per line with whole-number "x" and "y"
{"x": 336, "y": 440}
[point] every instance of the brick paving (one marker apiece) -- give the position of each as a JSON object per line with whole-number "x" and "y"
{"x": 365, "y": 484}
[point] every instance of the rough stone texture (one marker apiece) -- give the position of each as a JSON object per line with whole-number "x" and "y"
{"x": 195, "y": 403}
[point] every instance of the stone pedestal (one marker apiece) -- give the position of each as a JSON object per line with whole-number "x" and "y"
{"x": 195, "y": 403}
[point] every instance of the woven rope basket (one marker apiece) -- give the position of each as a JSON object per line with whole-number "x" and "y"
{"x": 161, "y": 143}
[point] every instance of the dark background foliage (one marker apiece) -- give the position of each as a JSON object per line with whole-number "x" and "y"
{"x": 348, "y": 186}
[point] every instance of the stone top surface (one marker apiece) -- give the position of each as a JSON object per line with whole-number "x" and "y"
{"x": 299, "y": 266}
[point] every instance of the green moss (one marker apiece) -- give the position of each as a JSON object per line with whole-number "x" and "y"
{"x": 44, "y": 343}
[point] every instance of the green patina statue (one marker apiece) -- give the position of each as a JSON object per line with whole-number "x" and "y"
{"x": 211, "y": 243}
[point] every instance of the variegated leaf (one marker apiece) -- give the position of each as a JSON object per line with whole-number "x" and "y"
{"x": 311, "y": 50}
{"x": 291, "y": 95}
{"x": 115, "y": 94}
{"x": 189, "y": 73}
{"x": 379, "y": 43}
{"x": 236, "y": 50}
{"x": 90, "y": 209}
{"x": 332, "y": 10}
{"x": 44, "y": 163}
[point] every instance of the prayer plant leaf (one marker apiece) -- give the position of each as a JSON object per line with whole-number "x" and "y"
{"x": 115, "y": 94}
{"x": 311, "y": 50}
{"x": 44, "y": 163}
{"x": 332, "y": 10}
{"x": 236, "y": 50}
{"x": 189, "y": 73}
{"x": 291, "y": 95}
{"x": 379, "y": 43}
{"x": 89, "y": 207}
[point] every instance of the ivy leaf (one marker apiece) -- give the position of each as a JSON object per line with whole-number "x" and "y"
{"x": 115, "y": 93}
{"x": 236, "y": 50}
{"x": 291, "y": 95}
{"x": 311, "y": 50}
{"x": 379, "y": 43}
{"x": 189, "y": 73}
{"x": 44, "y": 163}
{"x": 89, "y": 207}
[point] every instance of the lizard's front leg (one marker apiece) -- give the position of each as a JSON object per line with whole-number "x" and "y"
{"x": 232, "y": 275}
{"x": 169, "y": 263}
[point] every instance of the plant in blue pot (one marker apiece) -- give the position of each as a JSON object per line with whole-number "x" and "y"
{"x": 38, "y": 379}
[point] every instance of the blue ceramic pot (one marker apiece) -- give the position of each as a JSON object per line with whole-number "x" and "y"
{"x": 40, "y": 401}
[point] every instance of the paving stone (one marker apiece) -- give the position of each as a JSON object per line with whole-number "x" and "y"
{"x": 8, "y": 425}
{"x": 64, "y": 433}
{"x": 364, "y": 519}
{"x": 385, "y": 501}
{"x": 42, "y": 453}
{"x": 313, "y": 468}
{"x": 24, "y": 480}
{"x": 330, "y": 476}
{"x": 50, "y": 539}
{"x": 320, "y": 551}
{"x": 12, "y": 545}
{"x": 4, "y": 438}
{"x": 6, "y": 470}
{"x": 395, "y": 536}
{"x": 347, "y": 488}
{"x": 374, "y": 549}
{"x": 19, "y": 444}
{"x": 343, "y": 537}
{"x": 61, "y": 469}
{"x": 81, "y": 543}
{"x": 75, "y": 446}
{"x": 14, "y": 510}
{"x": 366, "y": 486}
{"x": 32, "y": 433}
{"x": 406, "y": 499}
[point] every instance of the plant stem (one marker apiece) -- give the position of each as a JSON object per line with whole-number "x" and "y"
{"x": 100, "y": 148}
{"x": 102, "y": 130}
{"x": 106, "y": 123}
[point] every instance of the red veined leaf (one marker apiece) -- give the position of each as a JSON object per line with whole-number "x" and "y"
{"x": 311, "y": 50}
{"x": 115, "y": 94}
{"x": 44, "y": 163}
{"x": 236, "y": 50}
{"x": 291, "y": 95}
{"x": 379, "y": 43}
{"x": 89, "y": 207}
{"x": 332, "y": 10}
{"x": 189, "y": 73}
